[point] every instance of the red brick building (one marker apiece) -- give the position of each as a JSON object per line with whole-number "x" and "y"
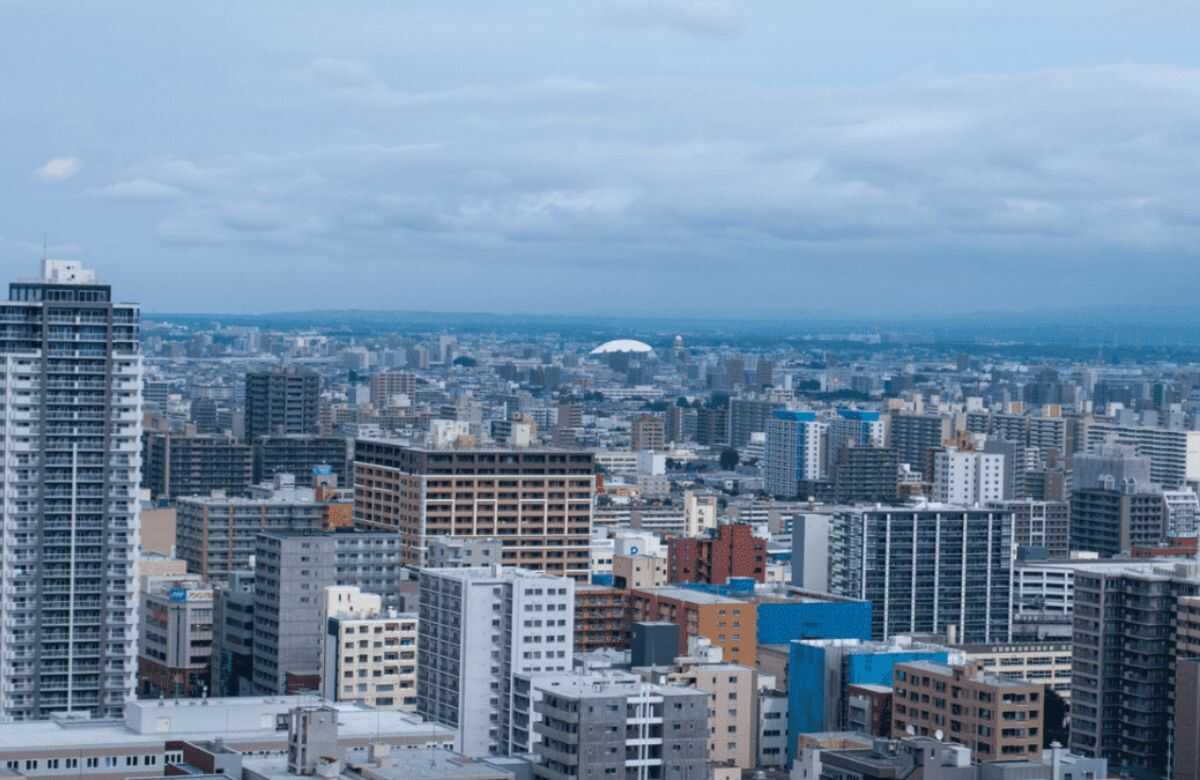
{"x": 732, "y": 551}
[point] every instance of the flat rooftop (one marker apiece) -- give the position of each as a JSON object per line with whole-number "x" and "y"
{"x": 691, "y": 596}
{"x": 981, "y": 677}
{"x": 232, "y": 719}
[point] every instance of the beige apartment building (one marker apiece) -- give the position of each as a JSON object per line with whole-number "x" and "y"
{"x": 538, "y": 503}
{"x": 369, "y": 655}
{"x": 732, "y": 707}
{"x": 999, "y": 718}
{"x": 1048, "y": 663}
{"x": 639, "y": 571}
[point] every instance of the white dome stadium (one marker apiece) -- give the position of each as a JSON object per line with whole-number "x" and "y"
{"x": 622, "y": 345}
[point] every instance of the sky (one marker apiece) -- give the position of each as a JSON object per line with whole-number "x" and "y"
{"x": 713, "y": 158}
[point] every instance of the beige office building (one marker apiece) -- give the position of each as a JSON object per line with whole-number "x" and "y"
{"x": 537, "y": 502}
{"x": 639, "y": 571}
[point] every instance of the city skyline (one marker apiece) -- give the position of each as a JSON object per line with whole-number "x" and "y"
{"x": 694, "y": 158}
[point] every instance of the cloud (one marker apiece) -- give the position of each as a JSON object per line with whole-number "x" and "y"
{"x": 341, "y": 73}
{"x": 358, "y": 81}
{"x": 704, "y": 18}
{"x": 140, "y": 189}
{"x": 1029, "y": 163}
{"x": 58, "y": 169}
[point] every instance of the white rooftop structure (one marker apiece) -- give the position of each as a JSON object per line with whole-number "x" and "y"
{"x": 622, "y": 345}
{"x": 66, "y": 272}
{"x": 236, "y": 721}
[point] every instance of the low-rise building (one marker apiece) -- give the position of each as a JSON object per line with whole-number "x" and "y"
{"x": 999, "y": 718}
{"x": 729, "y": 623}
{"x": 369, "y": 654}
{"x": 594, "y": 727}
{"x": 215, "y": 533}
{"x": 176, "y": 645}
{"x": 1048, "y": 663}
{"x": 601, "y": 618}
{"x": 148, "y": 738}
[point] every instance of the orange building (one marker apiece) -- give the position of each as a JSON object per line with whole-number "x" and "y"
{"x": 731, "y": 624}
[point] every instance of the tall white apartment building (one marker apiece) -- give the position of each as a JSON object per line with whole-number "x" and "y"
{"x": 478, "y": 627}
{"x": 368, "y": 654}
{"x": 795, "y": 451}
{"x": 70, "y": 465}
{"x": 967, "y": 478}
{"x": 856, "y": 428}
{"x": 1174, "y": 453}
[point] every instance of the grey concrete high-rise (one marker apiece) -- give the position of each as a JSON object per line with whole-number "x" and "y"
{"x": 597, "y": 728}
{"x": 71, "y": 388}
{"x": 291, "y": 571}
{"x": 282, "y": 400}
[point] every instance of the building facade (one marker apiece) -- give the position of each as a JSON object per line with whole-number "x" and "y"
{"x": 282, "y": 400}
{"x": 477, "y": 628}
{"x": 733, "y": 550}
{"x": 70, "y": 388}
{"x": 217, "y": 535}
{"x": 999, "y": 718}
{"x": 176, "y": 648}
{"x": 369, "y": 654}
{"x": 537, "y": 502}
{"x": 932, "y": 569}
{"x": 595, "y": 730}
{"x": 182, "y": 464}
{"x": 795, "y": 451}
{"x": 1122, "y": 676}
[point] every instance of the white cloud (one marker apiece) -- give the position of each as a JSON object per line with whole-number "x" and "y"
{"x": 358, "y": 81}
{"x": 58, "y": 169}
{"x": 706, "y": 18}
{"x": 1032, "y": 162}
{"x": 140, "y": 189}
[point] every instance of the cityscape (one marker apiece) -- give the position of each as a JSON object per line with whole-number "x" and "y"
{"x": 635, "y": 389}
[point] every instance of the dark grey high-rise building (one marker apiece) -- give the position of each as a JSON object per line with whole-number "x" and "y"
{"x": 299, "y": 454}
{"x": 180, "y": 464}
{"x": 1124, "y": 655}
{"x": 924, "y": 569}
{"x": 282, "y": 400}
{"x": 747, "y": 416}
{"x": 71, "y": 391}
{"x": 914, "y": 437}
{"x": 865, "y": 475}
{"x": 1114, "y": 506}
{"x": 712, "y": 425}
{"x": 1112, "y": 522}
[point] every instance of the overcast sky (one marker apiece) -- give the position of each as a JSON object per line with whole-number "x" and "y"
{"x": 703, "y": 157}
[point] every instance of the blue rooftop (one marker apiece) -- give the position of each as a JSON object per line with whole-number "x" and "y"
{"x": 795, "y": 415}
